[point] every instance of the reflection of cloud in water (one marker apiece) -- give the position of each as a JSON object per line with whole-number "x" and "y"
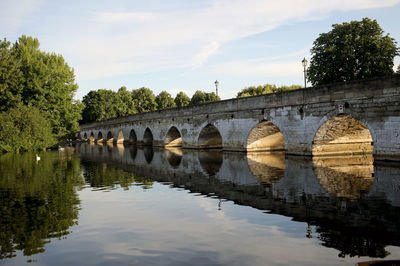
{"x": 174, "y": 156}
{"x": 268, "y": 167}
{"x": 346, "y": 176}
{"x": 211, "y": 160}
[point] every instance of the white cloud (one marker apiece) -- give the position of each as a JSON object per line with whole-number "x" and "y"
{"x": 114, "y": 40}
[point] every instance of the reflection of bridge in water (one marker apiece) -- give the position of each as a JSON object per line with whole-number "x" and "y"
{"x": 354, "y": 203}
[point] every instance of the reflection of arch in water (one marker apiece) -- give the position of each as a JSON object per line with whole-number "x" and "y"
{"x": 342, "y": 135}
{"x": 265, "y": 136}
{"x": 110, "y": 137}
{"x": 209, "y": 138}
{"x": 148, "y": 137}
{"x": 211, "y": 161}
{"x": 173, "y": 138}
{"x": 148, "y": 153}
{"x": 132, "y": 137}
{"x": 99, "y": 137}
{"x": 92, "y": 138}
{"x": 345, "y": 176}
{"x": 174, "y": 156}
{"x": 120, "y": 137}
{"x": 133, "y": 152}
{"x": 268, "y": 167}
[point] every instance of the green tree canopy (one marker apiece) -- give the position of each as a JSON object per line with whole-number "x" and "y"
{"x": 200, "y": 97}
{"x": 144, "y": 100}
{"x": 265, "y": 89}
{"x": 126, "y": 105}
{"x": 36, "y": 78}
{"x": 100, "y": 105}
{"x": 182, "y": 99}
{"x": 164, "y": 100}
{"x": 25, "y": 128}
{"x": 352, "y": 51}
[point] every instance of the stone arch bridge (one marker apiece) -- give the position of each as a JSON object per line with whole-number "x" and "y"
{"x": 343, "y": 118}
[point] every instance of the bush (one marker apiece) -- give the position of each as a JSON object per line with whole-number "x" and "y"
{"x": 25, "y": 128}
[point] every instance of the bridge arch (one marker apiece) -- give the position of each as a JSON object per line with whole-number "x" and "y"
{"x": 265, "y": 136}
{"x": 110, "y": 137}
{"x": 342, "y": 134}
{"x": 132, "y": 137}
{"x": 99, "y": 137}
{"x": 173, "y": 138}
{"x": 85, "y": 137}
{"x": 209, "y": 138}
{"x": 148, "y": 137}
{"x": 120, "y": 138}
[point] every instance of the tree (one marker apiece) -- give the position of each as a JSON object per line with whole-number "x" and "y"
{"x": 164, "y": 100}
{"x": 352, "y": 51}
{"x": 182, "y": 99}
{"x": 265, "y": 89}
{"x": 10, "y": 77}
{"x": 144, "y": 100}
{"x": 200, "y": 97}
{"x": 25, "y": 128}
{"x": 100, "y": 105}
{"x": 32, "y": 77}
{"x": 126, "y": 104}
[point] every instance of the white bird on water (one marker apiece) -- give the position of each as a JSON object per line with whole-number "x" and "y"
{"x": 37, "y": 158}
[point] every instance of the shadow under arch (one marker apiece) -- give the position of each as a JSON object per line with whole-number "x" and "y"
{"x": 211, "y": 161}
{"x": 85, "y": 137}
{"x": 173, "y": 138}
{"x": 120, "y": 137}
{"x": 110, "y": 137}
{"x": 148, "y": 153}
{"x": 148, "y": 137}
{"x": 174, "y": 156}
{"x": 268, "y": 167}
{"x": 265, "y": 136}
{"x": 99, "y": 137}
{"x": 209, "y": 138}
{"x": 342, "y": 135}
{"x": 132, "y": 137}
{"x": 346, "y": 177}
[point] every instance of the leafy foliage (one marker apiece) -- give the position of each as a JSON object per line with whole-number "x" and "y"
{"x": 25, "y": 128}
{"x": 144, "y": 100}
{"x": 352, "y": 51}
{"x": 265, "y": 89}
{"x": 29, "y": 76}
{"x": 182, "y": 99}
{"x": 200, "y": 97}
{"x": 164, "y": 100}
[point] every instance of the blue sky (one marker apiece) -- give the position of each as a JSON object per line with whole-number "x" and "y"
{"x": 186, "y": 45}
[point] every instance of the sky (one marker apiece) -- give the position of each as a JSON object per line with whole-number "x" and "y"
{"x": 177, "y": 45}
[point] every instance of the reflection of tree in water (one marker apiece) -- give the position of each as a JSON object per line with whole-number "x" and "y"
{"x": 38, "y": 200}
{"x": 104, "y": 177}
{"x": 351, "y": 242}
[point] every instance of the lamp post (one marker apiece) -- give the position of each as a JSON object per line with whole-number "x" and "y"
{"x": 304, "y": 62}
{"x": 216, "y": 87}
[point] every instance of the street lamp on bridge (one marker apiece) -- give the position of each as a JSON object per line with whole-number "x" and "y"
{"x": 216, "y": 87}
{"x": 304, "y": 62}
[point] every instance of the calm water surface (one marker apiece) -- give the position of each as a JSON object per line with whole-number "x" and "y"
{"x": 116, "y": 205}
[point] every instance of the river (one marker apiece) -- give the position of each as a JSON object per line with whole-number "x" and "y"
{"x": 121, "y": 205}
